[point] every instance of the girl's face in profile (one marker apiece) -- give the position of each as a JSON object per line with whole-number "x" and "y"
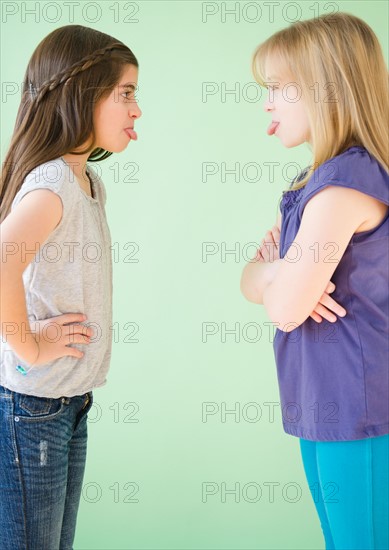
{"x": 285, "y": 105}
{"x": 115, "y": 115}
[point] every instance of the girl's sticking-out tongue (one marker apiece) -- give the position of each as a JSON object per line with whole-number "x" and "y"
{"x": 272, "y": 128}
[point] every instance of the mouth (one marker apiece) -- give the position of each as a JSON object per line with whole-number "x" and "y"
{"x": 131, "y": 133}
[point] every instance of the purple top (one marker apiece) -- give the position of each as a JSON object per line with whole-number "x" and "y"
{"x": 334, "y": 377}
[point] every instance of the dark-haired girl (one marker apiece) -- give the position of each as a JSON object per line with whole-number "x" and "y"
{"x": 78, "y": 105}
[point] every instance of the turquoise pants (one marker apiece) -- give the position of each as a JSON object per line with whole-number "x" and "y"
{"x": 349, "y": 483}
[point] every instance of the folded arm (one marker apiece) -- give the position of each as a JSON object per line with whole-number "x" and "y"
{"x": 259, "y": 272}
{"x": 329, "y": 220}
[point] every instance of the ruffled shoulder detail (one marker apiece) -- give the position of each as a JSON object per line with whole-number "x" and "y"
{"x": 289, "y": 198}
{"x": 292, "y": 196}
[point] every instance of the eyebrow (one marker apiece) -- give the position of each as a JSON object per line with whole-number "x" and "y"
{"x": 274, "y": 76}
{"x": 128, "y": 85}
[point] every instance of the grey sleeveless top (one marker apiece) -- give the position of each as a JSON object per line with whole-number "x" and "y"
{"x": 71, "y": 273}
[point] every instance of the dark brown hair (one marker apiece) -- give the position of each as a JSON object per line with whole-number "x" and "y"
{"x": 71, "y": 69}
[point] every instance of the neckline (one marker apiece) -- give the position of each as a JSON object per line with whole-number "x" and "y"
{"x": 354, "y": 147}
{"x": 292, "y": 190}
{"x": 75, "y": 181}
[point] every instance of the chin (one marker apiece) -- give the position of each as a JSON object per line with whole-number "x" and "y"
{"x": 295, "y": 143}
{"x": 117, "y": 148}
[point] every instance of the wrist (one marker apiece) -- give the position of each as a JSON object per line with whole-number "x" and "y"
{"x": 31, "y": 353}
{"x": 21, "y": 369}
{"x": 37, "y": 354}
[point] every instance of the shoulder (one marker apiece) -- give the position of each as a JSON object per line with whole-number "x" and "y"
{"x": 53, "y": 176}
{"x": 354, "y": 169}
{"x": 347, "y": 165}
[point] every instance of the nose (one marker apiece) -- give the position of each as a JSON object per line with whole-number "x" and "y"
{"x": 268, "y": 104}
{"x": 134, "y": 110}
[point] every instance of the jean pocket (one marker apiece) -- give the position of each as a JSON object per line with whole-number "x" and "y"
{"x": 31, "y": 407}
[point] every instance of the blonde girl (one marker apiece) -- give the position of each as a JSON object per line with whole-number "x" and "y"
{"x": 328, "y": 87}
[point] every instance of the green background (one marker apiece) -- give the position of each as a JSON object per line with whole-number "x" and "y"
{"x": 200, "y": 343}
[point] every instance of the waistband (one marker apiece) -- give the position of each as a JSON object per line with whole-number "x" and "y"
{"x": 6, "y": 392}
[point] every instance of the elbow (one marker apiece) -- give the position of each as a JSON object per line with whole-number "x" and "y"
{"x": 249, "y": 294}
{"x": 275, "y": 317}
{"x": 294, "y": 316}
{"x": 249, "y": 291}
{"x": 287, "y": 323}
{"x": 288, "y": 326}
{"x": 285, "y": 318}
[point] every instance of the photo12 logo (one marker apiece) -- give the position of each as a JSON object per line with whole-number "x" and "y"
{"x": 69, "y": 12}
{"x": 268, "y": 12}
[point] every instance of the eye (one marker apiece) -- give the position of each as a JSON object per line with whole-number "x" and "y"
{"x": 126, "y": 94}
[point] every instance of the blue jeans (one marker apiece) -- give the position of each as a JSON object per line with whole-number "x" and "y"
{"x": 349, "y": 483}
{"x": 43, "y": 445}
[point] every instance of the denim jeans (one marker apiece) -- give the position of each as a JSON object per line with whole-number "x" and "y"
{"x": 43, "y": 444}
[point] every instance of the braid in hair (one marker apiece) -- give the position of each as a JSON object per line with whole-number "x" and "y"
{"x": 73, "y": 70}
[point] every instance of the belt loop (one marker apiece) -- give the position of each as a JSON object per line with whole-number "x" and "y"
{"x": 87, "y": 400}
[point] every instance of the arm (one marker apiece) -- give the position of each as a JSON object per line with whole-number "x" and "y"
{"x": 26, "y": 227}
{"x": 314, "y": 254}
{"x": 259, "y": 273}
{"x": 256, "y": 276}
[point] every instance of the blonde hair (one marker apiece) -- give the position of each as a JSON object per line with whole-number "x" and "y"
{"x": 339, "y": 57}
